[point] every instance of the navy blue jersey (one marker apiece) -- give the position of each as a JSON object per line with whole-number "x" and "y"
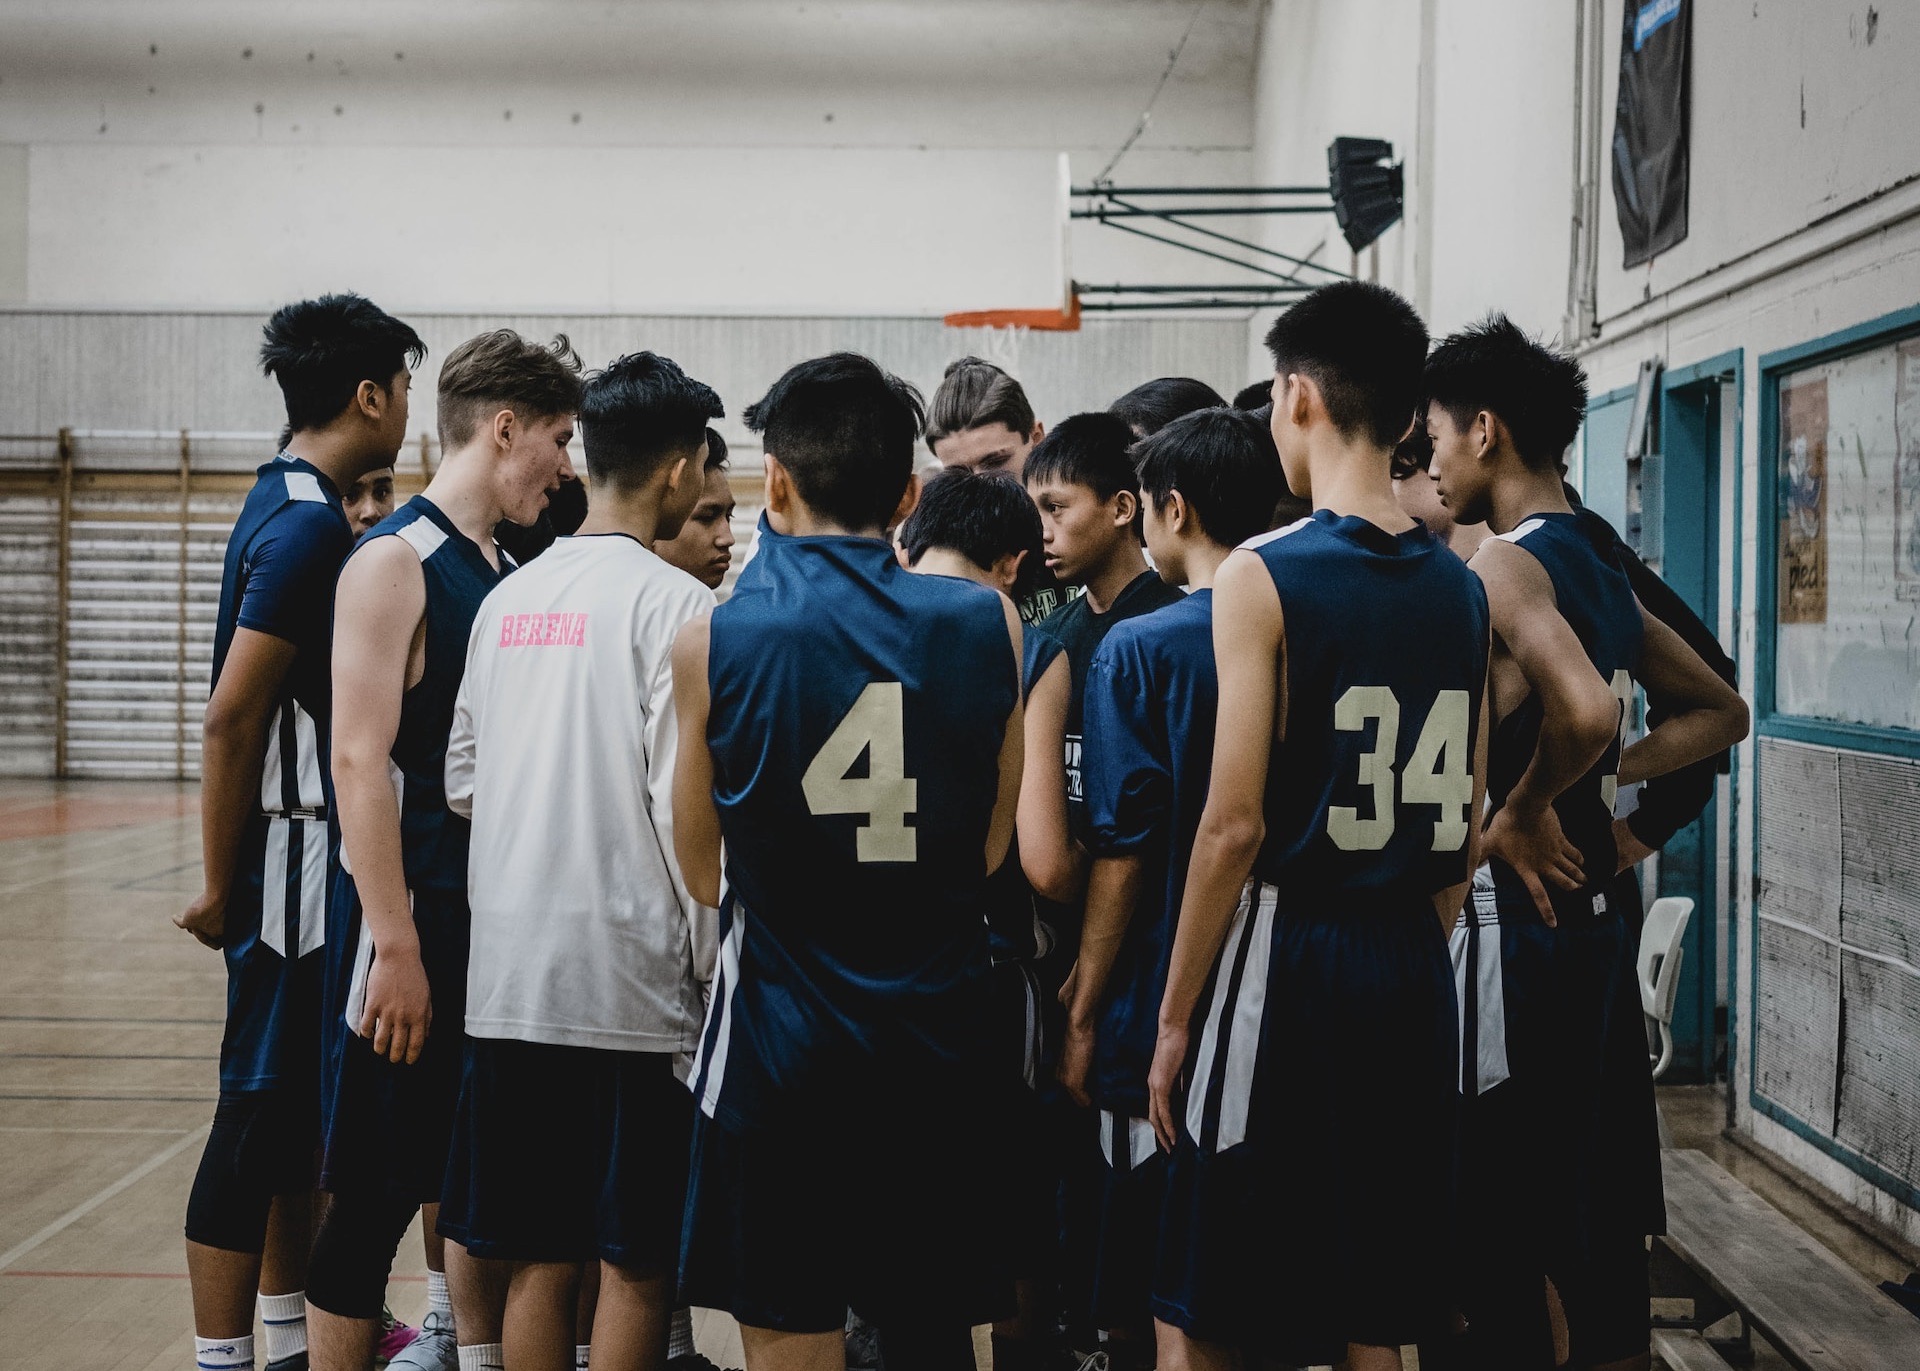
{"x": 433, "y": 839}
{"x": 1385, "y": 665}
{"x": 282, "y": 560}
{"x": 858, "y": 713}
{"x": 1081, "y": 630}
{"x": 1152, "y": 693}
{"x": 1592, "y": 593}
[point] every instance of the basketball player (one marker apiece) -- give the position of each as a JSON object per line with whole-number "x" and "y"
{"x": 344, "y": 368}
{"x": 1152, "y": 405}
{"x": 1207, "y": 481}
{"x": 854, "y": 959}
{"x": 980, "y": 419}
{"x": 581, "y": 984}
{"x": 1557, "y": 1032}
{"x": 985, "y": 528}
{"x": 369, "y": 499}
{"x": 1320, "y": 1100}
{"x": 704, "y": 546}
{"x": 398, "y": 920}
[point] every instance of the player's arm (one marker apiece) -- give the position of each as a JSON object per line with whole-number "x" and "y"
{"x": 379, "y": 608}
{"x": 232, "y": 752}
{"x": 696, "y": 820}
{"x": 1006, "y": 805}
{"x": 1249, "y": 638}
{"x": 1126, "y": 789}
{"x": 1579, "y": 718}
{"x": 1708, "y": 714}
{"x": 1053, "y": 862}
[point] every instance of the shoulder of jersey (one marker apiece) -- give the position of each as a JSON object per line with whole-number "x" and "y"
{"x": 1517, "y": 535}
{"x": 1260, "y": 540}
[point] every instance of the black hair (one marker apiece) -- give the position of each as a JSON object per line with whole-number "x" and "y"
{"x": 983, "y": 516}
{"x": 638, "y": 413}
{"x": 976, "y": 394}
{"x": 1153, "y": 405}
{"x": 1086, "y": 450}
{"x": 1363, "y": 346}
{"x": 716, "y": 450}
{"x": 1254, "y": 396}
{"x": 845, "y": 430}
{"x": 1223, "y": 463}
{"x": 1539, "y": 394}
{"x": 321, "y": 350}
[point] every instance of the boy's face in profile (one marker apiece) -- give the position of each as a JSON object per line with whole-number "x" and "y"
{"x": 1080, "y": 530}
{"x": 369, "y": 500}
{"x": 704, "y": 547}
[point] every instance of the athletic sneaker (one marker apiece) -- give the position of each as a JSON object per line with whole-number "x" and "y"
{"x": 297, "y": 1362}
{"x": 394, "y": 1335}
{"x": 432, "y": 1349}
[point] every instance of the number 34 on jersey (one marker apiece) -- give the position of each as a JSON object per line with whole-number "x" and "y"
{"x": 1436, "y": 774}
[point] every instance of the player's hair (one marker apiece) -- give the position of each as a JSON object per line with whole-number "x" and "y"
{"x": 1539, "y": 394}
{"x": 1363, "y": 346}
{"x": 974, "y": 394}
{"x": 983, "y": 516}
{"x": 321, "y": 350}
{"x": 1152, "y": 405}
{"x": 1086, "y": 450}
{"x": 1223, "y": 463}
{"x": 1254, "y": 396}
{"x": 844, "y": 429}
{"x": 638, "y": 413}
{"x": 716, "y": 451}
{"x": 501, "y": 370}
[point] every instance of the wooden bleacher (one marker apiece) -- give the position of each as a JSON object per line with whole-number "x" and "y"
{"x": 1743, "y": 1255}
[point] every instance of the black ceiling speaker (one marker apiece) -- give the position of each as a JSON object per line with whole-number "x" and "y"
{"x": 1367, "y": 193}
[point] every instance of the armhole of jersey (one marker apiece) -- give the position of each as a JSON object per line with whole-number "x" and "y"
{"x": 1260, "y": 540}
{"x": 1515, "y": 535}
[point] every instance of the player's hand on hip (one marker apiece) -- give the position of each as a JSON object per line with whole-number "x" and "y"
{"x": 1631, "y": 850}
{"x": 1533, "y": 844}
{"x": 1163, "y": 1082}
{"x": 1076, "y": 1060}
{"x": 206, "y": 919}
{"x": 399, "y": 1006}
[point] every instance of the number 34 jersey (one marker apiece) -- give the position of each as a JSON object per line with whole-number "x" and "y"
{"x": 858, "y": 712}
{"x": 1385, "y": 667}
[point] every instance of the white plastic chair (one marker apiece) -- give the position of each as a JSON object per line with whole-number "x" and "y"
{"x": 1658, "y": 968}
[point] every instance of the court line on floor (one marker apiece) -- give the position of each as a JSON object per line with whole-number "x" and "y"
{"x": 66, "y": 871}
{"x": 61, "y": 1128}
{"x": 86, "y": 1207}
{"x": 96, "y": 1018}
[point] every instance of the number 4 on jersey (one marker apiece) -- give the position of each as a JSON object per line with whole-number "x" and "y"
{"x": 876, "y": 726}
{"x": 1436, "y": 772}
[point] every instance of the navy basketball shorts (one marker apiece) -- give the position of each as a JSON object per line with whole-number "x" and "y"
{"x": 275, "y": 928}
{"x": 387, "y": 1127}
{"x": 1316, "y": 1179}
{"x": 1133, "y": 1193}
{"x": 768, "y": 1238}
{"x": 262, "y": 1144}
{"x": 562, "y": 1154}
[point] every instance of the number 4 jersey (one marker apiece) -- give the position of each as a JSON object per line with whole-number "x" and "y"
{"x": 858, "y": 712}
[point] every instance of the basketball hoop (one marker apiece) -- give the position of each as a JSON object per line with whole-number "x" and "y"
{"x": 1043, "y": 320}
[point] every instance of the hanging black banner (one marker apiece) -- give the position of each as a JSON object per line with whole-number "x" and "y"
{"x": 1650, "y": 127}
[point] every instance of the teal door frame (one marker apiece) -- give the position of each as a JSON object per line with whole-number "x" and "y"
{"x": 1691, "y": 470}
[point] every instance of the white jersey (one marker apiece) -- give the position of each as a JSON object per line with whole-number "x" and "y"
{"x": 562, "y": 753}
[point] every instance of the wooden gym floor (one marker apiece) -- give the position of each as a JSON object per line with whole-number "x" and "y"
{"x": 109, "y": 1039}
{"x": 109, "y": 1036}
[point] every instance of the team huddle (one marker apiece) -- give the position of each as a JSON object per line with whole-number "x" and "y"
{"x": 1139, "y": 887}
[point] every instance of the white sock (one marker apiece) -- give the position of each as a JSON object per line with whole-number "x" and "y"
{"x": 437, "y": 1297}
{"x": 580, "y": 1350}
{"x": 285, "y": 1319}
{"x": 223, "y": 1354}
{"x": 483, "y": 1356}
{"x": 680, "y": 1334}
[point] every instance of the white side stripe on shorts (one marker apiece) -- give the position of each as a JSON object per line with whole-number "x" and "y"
{"x": 1140, "y": 1140}
{"x": 304, "y": 924}
{"x": 1480, "y": 991}
{"x": 1230, "y": 1042}
{"x": 710, "y": 1066}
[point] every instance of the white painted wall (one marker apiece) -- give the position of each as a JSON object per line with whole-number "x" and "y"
{"x": 700, "y": 156}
